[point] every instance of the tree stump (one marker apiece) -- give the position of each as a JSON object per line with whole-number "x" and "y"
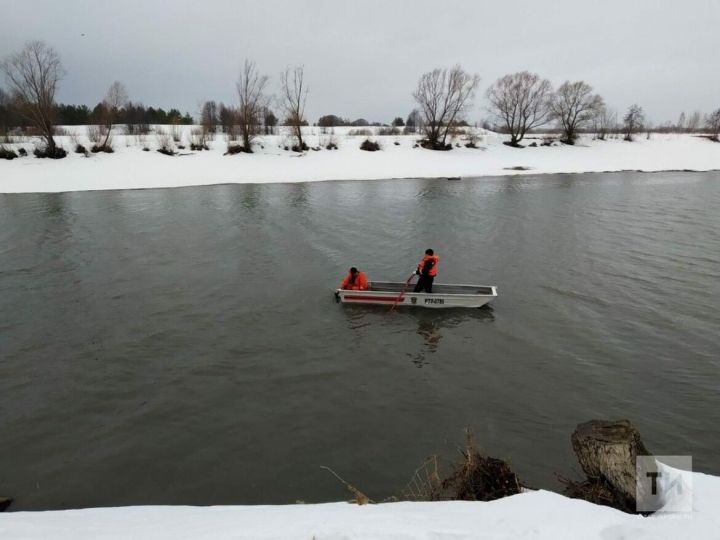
{"x": 607, "y": 452}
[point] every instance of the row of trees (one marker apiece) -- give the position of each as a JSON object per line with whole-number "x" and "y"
{"x": 33, "y": 76}
{"x": 519, "y": 102}
{"x": 253, "y": 115}
{"x": 523, "y": 101}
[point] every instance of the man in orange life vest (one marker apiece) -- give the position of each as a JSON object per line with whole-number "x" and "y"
{"x": 427, "y": 270}
{"x": 355, "y": 281}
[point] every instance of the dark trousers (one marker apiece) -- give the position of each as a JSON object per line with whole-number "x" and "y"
{"x": 424, "y": 284}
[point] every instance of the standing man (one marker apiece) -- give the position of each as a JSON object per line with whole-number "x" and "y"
{"x": 427, "y": 270}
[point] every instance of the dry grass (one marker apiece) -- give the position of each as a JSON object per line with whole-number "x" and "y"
{"x": 475, "y": 477}
{"x": 359, "y": 497}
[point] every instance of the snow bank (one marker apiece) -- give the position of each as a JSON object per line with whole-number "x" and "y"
{"x": 130, "y": 167}
{"x": 532, "y": 515}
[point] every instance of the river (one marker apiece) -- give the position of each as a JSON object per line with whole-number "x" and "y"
{"x": 182, "y": 346}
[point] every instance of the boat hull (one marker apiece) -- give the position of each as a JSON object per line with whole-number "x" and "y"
{"x": 443, "y": 296}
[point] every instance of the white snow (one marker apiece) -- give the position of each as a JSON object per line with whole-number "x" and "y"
{"x": 131, "y": 167}
{"x": 532, "y": 515}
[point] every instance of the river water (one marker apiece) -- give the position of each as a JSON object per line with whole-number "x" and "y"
{"x": 183, "y": 345}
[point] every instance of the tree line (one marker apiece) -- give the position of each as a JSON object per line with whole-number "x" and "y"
{"x": 517, "y": 103}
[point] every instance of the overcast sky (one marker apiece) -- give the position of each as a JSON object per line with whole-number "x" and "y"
{"x": 363, "y": 57}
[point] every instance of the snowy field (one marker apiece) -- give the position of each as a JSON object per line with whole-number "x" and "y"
{"x": 130, "y": 167}
{"x": 532, "y": 515}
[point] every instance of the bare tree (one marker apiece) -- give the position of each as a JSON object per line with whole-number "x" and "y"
{"x": 413, "y": 122}
{"x": 605, "y": 122}
{"x": 269, "y": 120}
{"x": 694, "y": 121}
{"x": 520, "y": 102}
{"x": 633, "y": 121}
{"x": 443, "y": 95}
{"x": 5, "y": 115}
{"x": 294, "y": 93}
{"x": 253, "y": 101}
{"x": 33, "y": 75}
{"x": 115, "y": 99}
{"x": 574, "y": 106}
{"x": 209, "y": 116}
{"x": 713, "y": 124}
{"x": 681, "y": 122}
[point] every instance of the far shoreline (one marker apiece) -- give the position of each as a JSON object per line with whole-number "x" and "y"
{"x": 511, "y": 174}
{"x": 136, "y": 164}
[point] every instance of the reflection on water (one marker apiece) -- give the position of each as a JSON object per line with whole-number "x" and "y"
{"x": 182, "y": 346}
{"x": 431, "y": 323}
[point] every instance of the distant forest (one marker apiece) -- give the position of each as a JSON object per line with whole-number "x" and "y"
{"x": 79, "y": 115}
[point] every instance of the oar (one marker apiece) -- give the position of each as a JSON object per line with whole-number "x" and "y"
{"x": 402, "y": 293}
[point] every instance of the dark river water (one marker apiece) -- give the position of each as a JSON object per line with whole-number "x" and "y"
{"x": 183, "y": 345}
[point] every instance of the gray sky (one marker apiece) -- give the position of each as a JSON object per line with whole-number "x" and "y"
{"x": 363, "y": 57}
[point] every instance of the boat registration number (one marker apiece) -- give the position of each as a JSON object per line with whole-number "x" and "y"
{"x": 434, "y": 301}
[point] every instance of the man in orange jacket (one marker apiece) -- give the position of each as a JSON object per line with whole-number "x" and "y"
{"x": 355, "y": 281}
{"x": 427, "y": 270}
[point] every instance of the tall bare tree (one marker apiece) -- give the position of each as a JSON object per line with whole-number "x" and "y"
{"x": 443, "y": 95}
{"x": 633, "y": 121}
{"x": 253, "y": 101}
{"x": 574, "y": 106}
{"x": 293, "y": 97}
{"x": 712, "y": 122}
{"x": 520, "y": 102}
{"x": 115, "y": 99}
{"x": 33, "y": 76}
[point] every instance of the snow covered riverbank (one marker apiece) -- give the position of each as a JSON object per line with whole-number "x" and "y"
{"x": 130, "y": 167}
{"x": 536, "y": 515}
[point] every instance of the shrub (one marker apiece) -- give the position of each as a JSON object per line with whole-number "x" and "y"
{"x": 7, "y": 153}
{"x": 95, "y": 134}
{"x": 108, "y": 149}
{"x": 22, "y": 152}
{"x": 43, "y": 152}
{"x": 397, "y": 143}
{"x": 369, "y": 146}
{"x": 360, "y": 133}
{"x": 176, "y": 133}
{"x": 80, "y": 149}
{"x": 233, "y": 149}
{"x": 298, "y": 148}
{"x": 388, "y": 131}
{"x": 199, "y": 139}
{"x": 331, "y": 146}
{"x": 435, "y": 146}
{"x": 146, "y": 149}
{"x": 165, "y": 144}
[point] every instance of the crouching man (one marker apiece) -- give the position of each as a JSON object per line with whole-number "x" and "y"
{"x": 355, "y": 281}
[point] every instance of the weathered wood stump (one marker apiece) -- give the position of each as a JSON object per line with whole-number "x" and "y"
{"x": 4, "y": 503}
{"x": 607, "y": 452}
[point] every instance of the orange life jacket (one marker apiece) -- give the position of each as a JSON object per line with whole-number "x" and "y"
{"x": 360, "y": 283}
{"x": 428, "y": 265}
